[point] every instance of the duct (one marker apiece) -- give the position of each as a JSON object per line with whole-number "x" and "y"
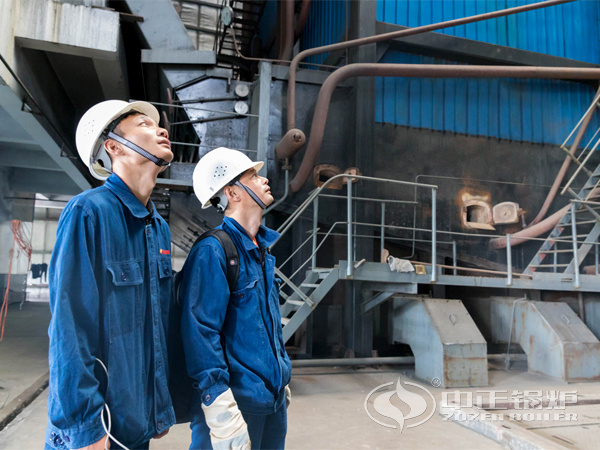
{"x": 412, "y": 70}
{"x": 563, "y": 170}
{"x": 302, "y": 18}
{"x": 393, "y": 35}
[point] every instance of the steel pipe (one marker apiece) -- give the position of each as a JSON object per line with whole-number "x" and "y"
{"x": 287, "y": 46}
{"x": 393, "y": 35}
{"x": 391, "y": 360}
{"x": 413, "y": 70}
{"x": 567, "y": 162}
{"x": 302, "y": 18}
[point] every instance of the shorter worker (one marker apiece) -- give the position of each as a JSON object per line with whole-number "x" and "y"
{"x": 232, "y": 336}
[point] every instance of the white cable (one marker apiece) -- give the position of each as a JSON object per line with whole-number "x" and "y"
{"x": 107, "y": 429}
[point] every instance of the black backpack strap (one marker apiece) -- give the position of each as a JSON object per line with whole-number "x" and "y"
{"x": 232, "y": 258}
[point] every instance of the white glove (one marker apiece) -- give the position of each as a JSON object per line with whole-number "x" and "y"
{"x": 288, "y": 396}
{"x": 228, "y": 430}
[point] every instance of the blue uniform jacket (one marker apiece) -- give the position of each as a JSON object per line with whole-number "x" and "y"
{"x": 110, "y": 298}
{"x": 234, "y": 339}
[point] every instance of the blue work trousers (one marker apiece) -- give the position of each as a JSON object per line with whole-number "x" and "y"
{"x": 266, "y": 431}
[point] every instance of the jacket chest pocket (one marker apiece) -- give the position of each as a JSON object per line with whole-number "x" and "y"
{"x": 125, "y": 297}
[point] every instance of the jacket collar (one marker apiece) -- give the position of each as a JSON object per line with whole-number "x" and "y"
{"x": 120, "y": 189}
{"x": 265, "y": 236}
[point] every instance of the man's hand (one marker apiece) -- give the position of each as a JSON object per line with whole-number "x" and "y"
{"x": 163, "y": 434}
{"x": 98, "y": 445}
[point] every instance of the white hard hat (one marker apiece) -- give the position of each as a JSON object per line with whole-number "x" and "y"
{"x": 216, "y": 170}
{"x": 89, "y": 135}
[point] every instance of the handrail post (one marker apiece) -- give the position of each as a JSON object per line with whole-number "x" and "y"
{"x": 575, "y": 250}
{"x": 315, "y": 225}
{"x": 350, "y": 267}
{"x": 509, "y": 277}
{"x": 382, "y": 231}
{"x": 454, "y": 271}
{"x": 433, "y": 236}
{"x": 596, "y": 258}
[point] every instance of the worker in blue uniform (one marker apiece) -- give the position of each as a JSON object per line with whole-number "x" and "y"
{"x": 232, "y": 338}
{"x": 110, "y": 290}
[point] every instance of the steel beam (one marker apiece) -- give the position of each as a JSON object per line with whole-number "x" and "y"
{"x": 42, "y": 181}
{"x": 258, "y": 133}
{"x": 449, "y": 349}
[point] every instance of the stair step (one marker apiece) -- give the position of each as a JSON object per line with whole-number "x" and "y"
{"x": 321, "y": 270}
{"x": 284, "y": 321}
{"x": 557, "y": 251}
{"x": 297, "y": 303}
{"x": 586, "y": 222}
{"x": 309, "y": 285}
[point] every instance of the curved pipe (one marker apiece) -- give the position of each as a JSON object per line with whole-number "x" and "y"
{"x": 289, "y": 144}
{"x": 414, "y": 70}
{"x": 287, "y": 46}
{"x": 563, "y": 170}
{"x": 532, "y": 232}
{"x": 302, "y": 18}
{"x": 393, "y": 35}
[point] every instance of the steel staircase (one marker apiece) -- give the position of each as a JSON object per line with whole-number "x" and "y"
{"x": 304, "y": 298}
{"x": 571, "y": 240}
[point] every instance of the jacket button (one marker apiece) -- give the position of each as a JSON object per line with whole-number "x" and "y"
{"x": 58, "y": 441}
{"x": 207, "y": 398}
{"x": 123, "y": 277}
{"x": 66, "y": 438}
{"x": 166, "y": 271}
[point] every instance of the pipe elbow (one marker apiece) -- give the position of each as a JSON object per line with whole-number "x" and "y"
{"x": 290, "y": 144}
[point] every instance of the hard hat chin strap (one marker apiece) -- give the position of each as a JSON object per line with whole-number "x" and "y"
{"x": 251, "y": 194}
{"x": 158, "y": 161}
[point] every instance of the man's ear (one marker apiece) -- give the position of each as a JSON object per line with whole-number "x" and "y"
{"x": 231, "y": 194}
{"x": 112, "y": 147}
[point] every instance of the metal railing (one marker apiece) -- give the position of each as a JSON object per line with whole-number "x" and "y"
{"x": 313, "y": 199}
{"x": 351, "y": 235}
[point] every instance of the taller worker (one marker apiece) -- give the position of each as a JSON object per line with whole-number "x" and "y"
{"x": 110, "y": 289}
{"x": 232, "y": 338}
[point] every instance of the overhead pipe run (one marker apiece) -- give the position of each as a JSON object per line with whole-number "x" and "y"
{"x": 413, "y": 70}
{"x": 393, "y": 35}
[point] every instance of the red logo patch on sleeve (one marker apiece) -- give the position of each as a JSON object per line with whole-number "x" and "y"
{"x": 165, "y": 252}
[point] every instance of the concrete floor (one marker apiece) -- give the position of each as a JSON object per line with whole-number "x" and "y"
{"x": 327, "y": 410}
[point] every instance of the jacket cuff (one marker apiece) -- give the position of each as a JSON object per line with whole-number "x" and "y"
{"x": 75, "y": 437}
{"x": 209, "y": 395}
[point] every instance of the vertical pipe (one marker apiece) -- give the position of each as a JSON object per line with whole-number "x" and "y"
{"x": 454, "y": 271}
{"x": 555, "y": 257}
{"x": 596, "y": 257}
{"x": 314, "y": 238}
{"x": 382, "y": 232}
{"x": 509, "y": 277}
{"x": 575, "y": 253}
{"x": 433, "y": 236}
{"x": 349, "y": 247}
